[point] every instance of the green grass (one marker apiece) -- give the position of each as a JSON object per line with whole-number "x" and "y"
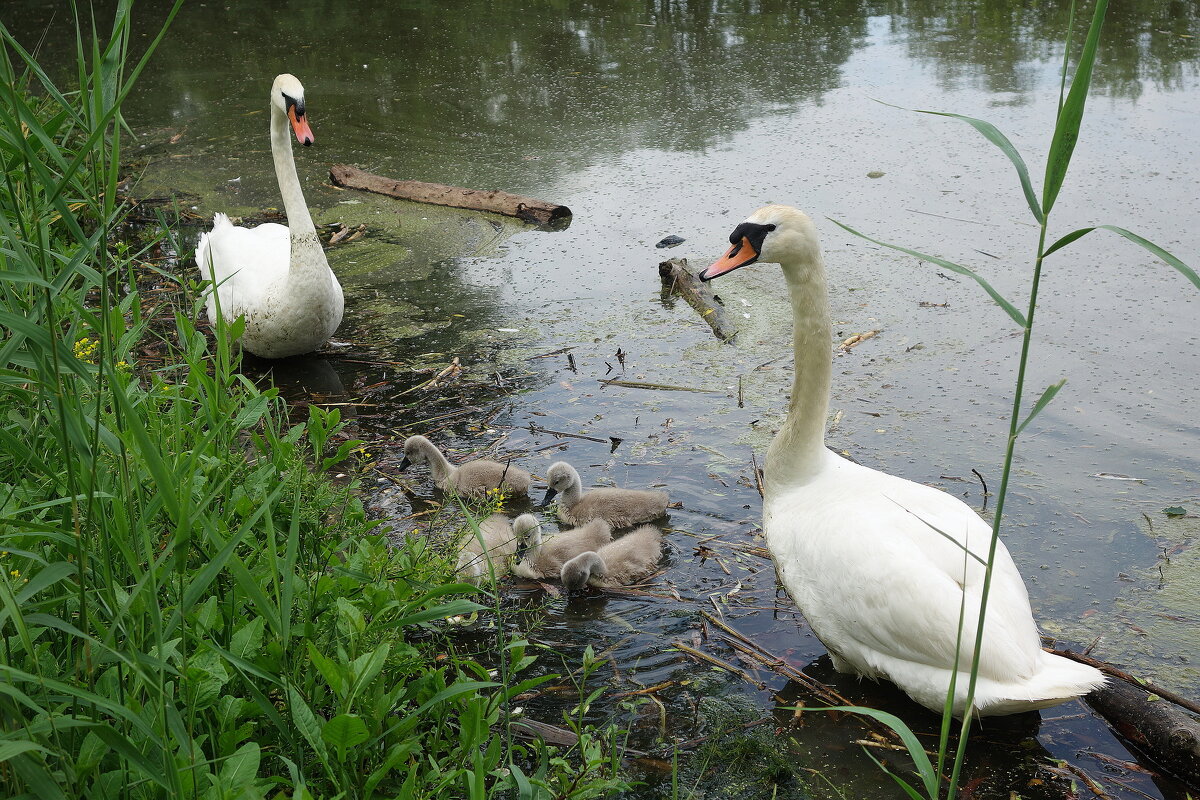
{"x": 1072, "y": 99}
{"x": 188, "y": 606}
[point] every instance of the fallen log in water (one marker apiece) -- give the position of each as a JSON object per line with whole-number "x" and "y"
{"x": 1152, "y": 721}
{"x": 527, "y": 209}
{"x": 676, "y": 277}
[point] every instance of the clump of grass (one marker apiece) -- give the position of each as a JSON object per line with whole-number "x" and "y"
{"x": 188, "y": 606}
{"x": 1072, "y": 99}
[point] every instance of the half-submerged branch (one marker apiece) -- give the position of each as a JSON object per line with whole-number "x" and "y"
{"x": 676, "y": 277}
{"x": 527, "y": 209}
{"x": 1155, "y": 722}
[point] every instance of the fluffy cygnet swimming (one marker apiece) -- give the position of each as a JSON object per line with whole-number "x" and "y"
{"x": 620, "y": 508}
{"x": 622, "y": 562}
{"x": 472, "y": 479}
{"x": 499, "y": 544}
{"x": 545, "y": 557}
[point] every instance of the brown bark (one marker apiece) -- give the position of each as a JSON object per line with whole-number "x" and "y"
{"x": 1162, "y": 732}
{"x": 527, "y": 209}
{"x": 676, "y": 277}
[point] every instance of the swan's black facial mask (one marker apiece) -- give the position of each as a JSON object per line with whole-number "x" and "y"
{"x": 747, "y": 240}
{"x": 295, "y": 112}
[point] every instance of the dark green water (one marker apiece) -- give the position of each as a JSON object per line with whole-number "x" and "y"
{"x": 649, "y": 119}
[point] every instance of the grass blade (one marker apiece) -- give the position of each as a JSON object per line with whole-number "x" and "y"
{"x": 1008, "y": 307}
{"x": 1070, "y": 116}
{"x": 997, "y": 137}
{"x": 1162, "y": 254}
{"x": 916, "y": 752}
{"x": 1042, "y": 402}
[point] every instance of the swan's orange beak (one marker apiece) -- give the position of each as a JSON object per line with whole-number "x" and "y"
{"x": 739, "y": 255}
{"x": 304, "y": 134}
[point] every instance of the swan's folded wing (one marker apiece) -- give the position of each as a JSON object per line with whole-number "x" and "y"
{"x": 878, "y": 582}
{"x": 244, "y": 262}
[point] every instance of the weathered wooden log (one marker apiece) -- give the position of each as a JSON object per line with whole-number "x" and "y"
{"x": 676, "y": 277}
{"x": 1156, "y": 729}
{"x": 526, "y": 209}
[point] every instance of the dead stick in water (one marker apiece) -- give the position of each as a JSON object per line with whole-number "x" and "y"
{"x": 1161, "y": 733}
{"x": 539, "y": 429}
{"x": 777, "y": 664}
{"x": 666, "y": 387}
{"x": 527, "y": 209}
{"x": 725, "y": 665}
{"x": 1104, "y": 666}
{"x": 676, "y": 277}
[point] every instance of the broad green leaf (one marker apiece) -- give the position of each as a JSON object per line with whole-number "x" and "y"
{"x": 450, "y": 692}
{"x": 1162, "y": 254}
{"x": 1012, "y": 311}
{"x": 240, "y": 769}
{"x": 1175, "y": 511}
{"x": 397, "y": 754}
{"x": 345, "y": 731}
{"x": 9, "y": 749}
{"x": 1042, "y": 402}
{"x": 248, "y": 639}
{"x": 308, "y": 724}
{"x": 366, "y": 667}
{"x": 331, "y": 671}
{"x": 453, "y": 608}
{"x": 1070, "y": 116}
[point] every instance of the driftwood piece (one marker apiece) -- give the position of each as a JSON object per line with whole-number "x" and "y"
{"x": 1167, "y": 736}
{"x": 676, "y": 277}
{"x": 527, "y": 209}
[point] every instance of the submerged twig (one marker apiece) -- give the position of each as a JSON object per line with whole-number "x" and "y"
{"x": 643, "y": 385}
{"x": 725, "y": 665}
{"x": 538, "y": 429}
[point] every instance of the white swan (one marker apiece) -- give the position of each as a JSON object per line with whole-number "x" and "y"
{"x": 276, "y": 276}
{"x": 856, "y": 548}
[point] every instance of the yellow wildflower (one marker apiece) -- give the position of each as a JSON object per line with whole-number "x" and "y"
{"x": 85, "y": 349}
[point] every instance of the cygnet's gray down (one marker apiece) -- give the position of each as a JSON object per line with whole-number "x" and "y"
{"x": 618, "y": 507}
{"x": 499, "y": 543}
{"x": 623, "y": 562}
{"x": 472, "y": 479}
{"x": 545, "y": 557}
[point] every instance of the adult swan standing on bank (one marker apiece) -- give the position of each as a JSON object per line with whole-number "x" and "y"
{"x": 275, "y": 276}
{"x": 857, "y": 548}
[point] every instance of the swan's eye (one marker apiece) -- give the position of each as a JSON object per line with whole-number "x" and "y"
{"x": 290, "y": 102}
{"x": 752, "y": 231}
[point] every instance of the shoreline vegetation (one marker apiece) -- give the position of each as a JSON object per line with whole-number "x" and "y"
{"x": 189, "y": 605}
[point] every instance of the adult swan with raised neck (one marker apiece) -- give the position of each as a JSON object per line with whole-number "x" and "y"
{"x": 875, "y": 562}
{"x": 275, "y": 276}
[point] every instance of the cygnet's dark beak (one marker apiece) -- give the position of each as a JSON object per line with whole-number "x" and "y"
{"x": 405, "y": 464}
{"x": 549, "y": 496}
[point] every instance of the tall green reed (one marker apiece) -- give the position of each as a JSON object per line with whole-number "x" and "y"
{"x": 1072, "y": 99}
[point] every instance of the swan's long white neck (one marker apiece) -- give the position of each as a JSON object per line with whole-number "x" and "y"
{"x": 299, "y": 220}
{"x": 798, "y": 450}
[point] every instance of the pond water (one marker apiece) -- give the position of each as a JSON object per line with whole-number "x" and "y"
{"x": 651, "y": 119}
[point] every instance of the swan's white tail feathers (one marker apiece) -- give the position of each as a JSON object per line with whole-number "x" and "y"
{"x": 221, "y": 220}
{"x": 1057, "y": 680}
